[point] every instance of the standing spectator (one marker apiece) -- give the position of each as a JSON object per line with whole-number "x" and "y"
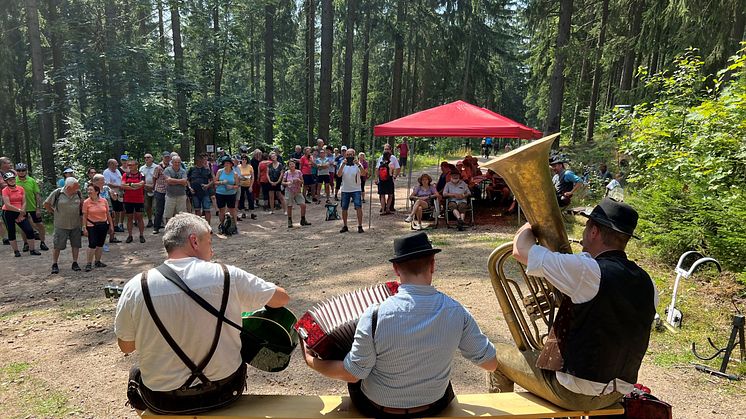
{"x": 395, "y": 173}
{"x": 315, "y": 173}
{"x": 306, "y": 169}
{"x": 227, "y": 187}
{"x": 566, "y": 182}
{"x": 456, "y": 193}
{"x": 275, "y": 169}
{"x": 385, "y": 172}
{"x": 147, "y": 170}
{"x": 322, "y": 165}
{"x": 277, "y": 151}
{"x": 159, "y": 190}
{"x": 486, "y": 147}
{"x": 66, "y": 173}
{"x": 133, "y": 185}
{"x": 333, "y": 166}
{"x": 91, "y": 172}
{"x": 256, "y": 188}
{"x": 351, "y": 173}
{"x": 65, "y": 203}
{"x": 293, "y": 182}
{"x": 113, "y": 178}
{"x": 14, "y": 214}
{"x": 97, "y": 224}
{"x": 339, "y": 161}
{"x": 105, "y": 193}
{"x": 33, "y": 203}
{"x": 246, "y": 180}
{"x": 176, "y": 182}
{"x": 364, "y": 175}
{"x": 5, "y": 166}
{"x": 297, "y": 154}
{"x": 319, "y": 144}
{"x": 123, "y": 168}
{"x": 200, "y": 183}
{"x": 423, "y": 193}
{"x": 603, "y": 173}
{"x": 264, "y": 181}
{"x": 508, "y": 147}
{"x": 403, "y": 148}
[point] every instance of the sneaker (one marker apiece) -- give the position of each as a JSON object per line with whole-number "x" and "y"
{"x": 88, "y": 267}
{"x": 142, "y": 239}
{"x": 25, "y": 247}
{"x": 129, "y": 239}
{"x": 99, "y": 264}
{"x": 118, "y": 229}
{"x": 6, "y": 242}
{"x": 17, "y": 253}
{"x": 149, "y": 225}
{"x": 35, "y": 252}
{"x": 408, "y": 219}
{"x": 344, "y": 229}
{"x": 156, "y": 231}
{"x": 114, "y": 240}
{"x": 360, "y": 229}
{"x": 55, "y": 268}
{"x": 75, "y": 267}
{"x": 43, "y": 246}
{"x": 106, "y": 247}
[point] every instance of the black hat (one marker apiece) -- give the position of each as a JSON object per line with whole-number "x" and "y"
{"x": 616, "y": 215}
{"x": 412, "y": 246}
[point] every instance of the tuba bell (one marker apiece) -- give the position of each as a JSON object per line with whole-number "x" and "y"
{"x": 529, "y": 315}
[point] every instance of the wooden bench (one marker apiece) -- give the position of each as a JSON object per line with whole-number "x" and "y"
{"x": 496, "y": 405}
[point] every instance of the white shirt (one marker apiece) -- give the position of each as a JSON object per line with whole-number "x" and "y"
{"x": 191, "y": 326}
{"x": 578, "y": 276}
{"x": 113, "y": 178}
{"x": 394, "y": 162}
{"x": 148, "y": 171}
{"x": 350, "y": 178}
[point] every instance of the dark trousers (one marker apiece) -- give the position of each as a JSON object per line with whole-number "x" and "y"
{"x": 372, "y": 410}
{"x": 160, "y": 203}
{"x": 248, "y": 195}
{"x": 10, "y": 218}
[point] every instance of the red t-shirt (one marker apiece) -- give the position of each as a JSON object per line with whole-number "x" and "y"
{"x": 133, "y": 196}
{"x": 403, "y": 149}
{"x": 16, "y": 196}
{"x": 305, "y": 165}
{"x": 263, "y": 168}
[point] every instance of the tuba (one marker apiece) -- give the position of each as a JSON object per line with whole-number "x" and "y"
{"x": 529, "y": 315}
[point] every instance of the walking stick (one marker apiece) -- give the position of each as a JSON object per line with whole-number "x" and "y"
{"x": 370, "y": 200}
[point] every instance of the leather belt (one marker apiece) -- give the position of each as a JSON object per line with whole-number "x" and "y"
{"x": 401, "y": 410}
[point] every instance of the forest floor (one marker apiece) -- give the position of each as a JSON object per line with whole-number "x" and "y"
{"x": 59, "y": 355}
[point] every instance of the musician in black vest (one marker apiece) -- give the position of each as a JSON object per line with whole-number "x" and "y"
{"x": 595, "y": 348}
{"x": 566, "y": 182}
{"x": 182, "y": 368}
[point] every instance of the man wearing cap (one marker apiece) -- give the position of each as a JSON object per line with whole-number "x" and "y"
{"x": 400, "y": 362}
{"x": 566, "y": 183}
{"x": 33, "y": 203}
{"x": 602, "y": 328}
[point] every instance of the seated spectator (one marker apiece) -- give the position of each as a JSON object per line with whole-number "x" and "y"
{"x": 445, "y": 177}
{"x": 498, "y": 190}
{"x": 457, "y": 194}
{"x": 422, "y": 194}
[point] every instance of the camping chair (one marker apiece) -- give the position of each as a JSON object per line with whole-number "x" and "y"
{"x": 430, "y": 214}
{"x": 469, "y": 209}
{"x": 331, "y": 211}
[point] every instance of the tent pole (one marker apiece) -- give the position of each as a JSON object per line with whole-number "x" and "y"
{"x": 370, "y": 176}
{"x": 409, "y": 176}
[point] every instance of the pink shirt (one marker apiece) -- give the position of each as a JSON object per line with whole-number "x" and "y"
{"x": 295, "y": 179}
{"x": 305, "y": 165}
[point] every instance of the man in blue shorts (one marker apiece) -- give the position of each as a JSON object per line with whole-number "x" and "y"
{"x": 351, "y": 172}
{"x": 200, "y": 183}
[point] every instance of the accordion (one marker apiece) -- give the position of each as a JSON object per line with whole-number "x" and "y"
{"x": 328, "y": 328}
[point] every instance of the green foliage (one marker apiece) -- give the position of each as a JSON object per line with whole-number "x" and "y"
{"x": 689, "y": 166}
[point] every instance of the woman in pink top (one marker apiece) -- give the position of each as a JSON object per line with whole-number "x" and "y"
{"x": 98, "y": 223}
{"x": 14, "y": 214}
{"x": 293, "y": 181}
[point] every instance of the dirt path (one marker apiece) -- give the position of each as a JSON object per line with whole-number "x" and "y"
{"x": 59, "y": 355}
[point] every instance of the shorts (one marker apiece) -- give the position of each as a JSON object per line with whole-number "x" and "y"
{"x": 294, "y": 198}
{"x": 62, "y": 235}
{"x": 386, "y": 188}
{"x": 225, "y": 200}
{"x": 309, "y": 180}
{"x": 97, "y": 235}
{"x": 402, "y": 161}
{"x": 35, "y": 218}
{"x": 322, "y": 179}
{"x": 459, "y": 206}
{"x": 201, "y": 202}
{"x": 132, "y": 207}
{"x": 275, "y": 188}
{"x": 117, "y": 206}
{"x": 356, "y": 197}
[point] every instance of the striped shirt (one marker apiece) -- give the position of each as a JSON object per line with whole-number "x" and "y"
{"x": 408, "y": 363}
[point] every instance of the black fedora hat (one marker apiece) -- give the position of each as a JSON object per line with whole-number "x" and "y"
{"x": 412, "y": 246}
{"x": 616, "y": 215}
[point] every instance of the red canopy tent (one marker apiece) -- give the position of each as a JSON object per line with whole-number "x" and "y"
{"x": 455, "y": 119}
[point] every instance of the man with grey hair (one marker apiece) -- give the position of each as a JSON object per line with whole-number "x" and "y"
{"x": 66, "y": 204}
{"x": 162, "y": 381}
{"x": 113, "y": 178}
{"x": 176, "y": 184}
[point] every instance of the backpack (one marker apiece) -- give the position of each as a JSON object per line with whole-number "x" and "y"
{"x": 383, "y": 171}
{"x": 56, "y": 199}
{"x": 228, "y": 226}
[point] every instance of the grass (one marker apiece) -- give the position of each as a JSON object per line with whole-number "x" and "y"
{"x": 31, "y": 396}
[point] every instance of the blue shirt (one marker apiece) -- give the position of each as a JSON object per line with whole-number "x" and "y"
{"x": 230, "y": 179}
{"x": 408, "y": 363}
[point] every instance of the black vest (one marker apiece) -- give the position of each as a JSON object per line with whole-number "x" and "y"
{"x": 607, "y": 337}
{"x": 560, "y": 184}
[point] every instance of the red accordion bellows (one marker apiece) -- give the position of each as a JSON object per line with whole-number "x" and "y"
{"x": 328, "y": 328}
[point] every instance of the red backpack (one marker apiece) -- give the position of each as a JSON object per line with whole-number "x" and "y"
{"x": 383, "y": 171}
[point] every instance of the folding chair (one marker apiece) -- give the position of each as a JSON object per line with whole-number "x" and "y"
{"x": 431, "y": 213}
{"x": 469, "y": 209}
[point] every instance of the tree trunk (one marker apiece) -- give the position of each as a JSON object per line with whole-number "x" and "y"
{"x": 219, "y": 61}
{"x": 325, "y": 85}
{"x": 597, "y": 72}
{"x": 395, "y": 107}
{"x": 578, "y": 99}
{"x": 557, "y": 81}
{"x": 161, "y": 29}
{"x": 347, "y": 88}
{"x": 310, "y": 69}
{"x": 26, "y": 134}
{"x": 633, "y": 32}
{"x": 181, "y": 102}
{"x": 58, "y": 76}
{"x": 467, "y": 55}
{"x": 364, "y": 73}
{"x": 12, "y": 120}
{"x": 114, "y": 83}
{"x": 269, "y": 80}
{"x": 46, "y": 136}
{"x": 614, "y": 75}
